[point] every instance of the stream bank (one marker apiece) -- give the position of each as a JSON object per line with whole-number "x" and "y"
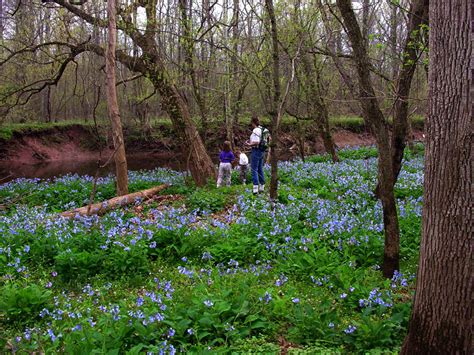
{"x": 77, "y": 149}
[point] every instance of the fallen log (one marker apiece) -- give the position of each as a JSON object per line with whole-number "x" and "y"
{"x": 102, "y": 207}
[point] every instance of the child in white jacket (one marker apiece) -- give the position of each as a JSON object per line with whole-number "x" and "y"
{"x": 243, "y": 165}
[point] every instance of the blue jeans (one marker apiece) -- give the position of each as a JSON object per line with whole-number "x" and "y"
{"x": 256, "y": 164}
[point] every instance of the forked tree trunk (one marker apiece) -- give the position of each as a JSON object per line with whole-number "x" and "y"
{"x": 391, "y": 252}
{"x": 197, "y": 159}
{"x": 112, "y": 104}
{"x": 418, "y": 16}
{"x": 441, "y": 322}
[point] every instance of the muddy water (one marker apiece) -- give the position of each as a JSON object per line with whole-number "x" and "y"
{"x": 12, "y": 170}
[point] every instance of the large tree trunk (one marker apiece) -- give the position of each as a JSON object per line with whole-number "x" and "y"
{"x": 112, "y": 104}
{"x": 197, "y": 160}
{"x": 379, "y": 127}
{"x": 441, "y": 321}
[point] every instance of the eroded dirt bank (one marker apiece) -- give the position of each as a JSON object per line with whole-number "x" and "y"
{"x": 77, "y": 149}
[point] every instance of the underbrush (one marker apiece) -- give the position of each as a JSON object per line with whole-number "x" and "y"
{"x": 216, "y": 271}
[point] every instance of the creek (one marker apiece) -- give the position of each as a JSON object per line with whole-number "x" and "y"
{"x": 12, "y": 170}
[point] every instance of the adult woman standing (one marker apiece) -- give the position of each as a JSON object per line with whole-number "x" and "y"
{"x": 257, "y": 154}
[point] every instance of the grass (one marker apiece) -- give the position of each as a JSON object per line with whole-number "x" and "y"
{"x": 350, "y": 123}
{"x": 8, "y": 130}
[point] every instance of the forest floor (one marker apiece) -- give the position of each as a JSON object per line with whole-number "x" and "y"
{"x": 76, "y": 142}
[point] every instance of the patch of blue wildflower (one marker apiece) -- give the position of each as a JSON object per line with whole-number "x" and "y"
{"x": 209, "y": 272}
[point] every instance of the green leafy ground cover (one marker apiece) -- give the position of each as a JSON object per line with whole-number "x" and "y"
{"x": 217, "y": 271}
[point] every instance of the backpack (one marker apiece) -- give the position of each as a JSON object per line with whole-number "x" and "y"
{"x": 264, "y": 139}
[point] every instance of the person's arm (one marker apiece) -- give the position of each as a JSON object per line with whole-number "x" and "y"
{"x": 255, "y": 143}
{"x": 232, "y": 158}
{"x": 251, "y": 144}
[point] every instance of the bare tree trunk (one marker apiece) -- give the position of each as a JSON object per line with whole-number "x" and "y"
{"x": 236, "y": 107}
{"x": 275, "y": 101}
{"x": 365, "y": 23}
{"x": 197, "y": 159}
{"x": 328, "y": 140}
{"x": 235, "y": 76}
{"x": 46, "y": 94}
{"x": 227, "y": 96}
{"x": 319, "y": 109}
{"x": 187, "y": 46}
{"x": 315, "y": 100}
{"x": 2, "y": 26}
{"x": 393, "y": 38}
{"x": 46, "y": 104}
{"x": 112, "y": 104}
{"x": 207, "y": 50}
{"x": 379, "y": 127}
{"x": 441, "y": 322}
{"x": 418, "y": 17}
{"x": 241, "y": 79}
